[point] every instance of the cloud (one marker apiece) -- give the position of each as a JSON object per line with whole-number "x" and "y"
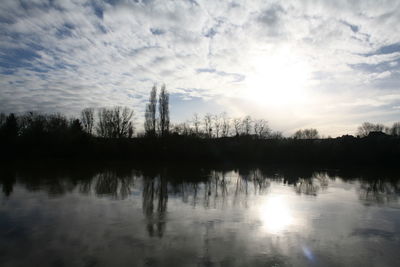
{"x": 67, "y": 55}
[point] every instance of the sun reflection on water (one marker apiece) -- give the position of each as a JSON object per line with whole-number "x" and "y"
{"x": 275, "y": 214}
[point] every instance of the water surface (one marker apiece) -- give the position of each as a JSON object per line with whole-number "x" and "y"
{"x": 119, "y": 215}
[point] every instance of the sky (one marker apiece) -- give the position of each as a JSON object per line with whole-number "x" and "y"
{"x": 329, "y": 65}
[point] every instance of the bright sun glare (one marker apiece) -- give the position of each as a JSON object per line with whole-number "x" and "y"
{"x": 278, "y": 79}
{"x": 275, "y": 214}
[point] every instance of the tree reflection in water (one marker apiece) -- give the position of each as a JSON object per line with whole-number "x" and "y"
{"x": 379, "y": 191}
{"x": 155, "y": 190}
{"x": 210, "y": 188}
{"x": 311, "y": 186}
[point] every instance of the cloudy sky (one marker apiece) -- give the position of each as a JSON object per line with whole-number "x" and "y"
{"x": 324, "y": 64}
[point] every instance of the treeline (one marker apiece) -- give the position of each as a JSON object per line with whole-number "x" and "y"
{"x": 366, "y": 128}
{"x": 209, "y": 126}
{"x": 110, "y": 133}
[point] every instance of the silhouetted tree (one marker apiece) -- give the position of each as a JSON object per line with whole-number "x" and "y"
{"x": 104, "y": 124}
{"x": 56, "y": 124}
{"x": 32, "y": 125}
{"x": 208, "y": 125}
{"x": 115, "y": 123}
{"x": 196, "y": 123}
{"x": 2, "y": 118}
{"x": 150, "y": 114}
{"x": 87, "y": 119}
{"x": 368, "y": 127}
{"x": 247, "y": 123}
{"x": 311, "y": 133}
{"x": 276, "y": 135}
{"x": 306, "y": 134}
{"x": 163, "y": 107}
{"x": 10, "y": 127}
{"x": 395, "y": 129}
{"x": 237, "y": 125}
{"x": 181, "y": 129}
{"x": 217, "y": 125}
{"x": 261, "y": 128}
{"x": 225, "y": 125}
{"x": 123, "y": 121}
{"x": 76, "y": 126}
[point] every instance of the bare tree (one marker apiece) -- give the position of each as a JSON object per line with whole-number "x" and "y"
{"x": 217, "y": 125}
{"x": 237, "y": 125}
{"x": 306, "y": 134}
{"x": 163, "y": 107}
{"x": 87, "y": 118}
{"x": 298, "y": 134}
{"x": 311, "y": 133}
{"x": 104, "y": 126}
{"x": 395, "y": 129}
{"x": 208, "y": 125}
{"x": 247, "y": 123}
{"x": 261, "y": 128}
{"x": 196, "y": 123}
{"x": 150, "y": 113}
{"x": 225, "y": 125}
{"x": 56, "y": 123}
{"x": 275, "y": 135}
{"x": 131, "y": 129}
{"x": 115, "y": 122}
{"x": 181, "y": 129}
{"x": 368, "y": 127}
{"x": 123, "y": 118}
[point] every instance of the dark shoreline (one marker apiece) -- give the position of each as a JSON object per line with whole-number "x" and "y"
{"x": 375, "y": 150}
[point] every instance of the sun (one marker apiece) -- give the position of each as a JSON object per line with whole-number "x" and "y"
{"x": 278, "y": 79}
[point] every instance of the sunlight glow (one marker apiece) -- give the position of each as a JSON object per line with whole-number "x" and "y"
{"x": 278, "y": 79}
{"x": 275, "y": 214}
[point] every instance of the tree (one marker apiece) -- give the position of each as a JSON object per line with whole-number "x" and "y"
{"x": 208, "y": 125}
{"x": 196, "y": 123}
{"x": 181, "y": 129}
{"x": 87, "y": 119}
{"x": 56, "y": 124}
{"x": 261, "y": 128}
{"x": 225, "y": 125}
{"x": 395, "y": 129}
{"x": 306, "y": 134}
{"x": 150, "y": 114}
{"x": 311, "y": 133}
{"x": 10, "y": 127}
{"x": 33, "y": 125}
{"x": 163, "y": 107}
{"x": 237, "y": 125}
{"x": 217, "y": 125}
{"x": 276, "y": 135}
{"x": 247, "y": 125}
{"x": 368, "y": 127}
{"x": 115, "y": 122}
{"x": 75, "y": 127}
{"x": 104, "y": 123}
{"x": 123, "y": 121}
{"x": 2, "y": 118}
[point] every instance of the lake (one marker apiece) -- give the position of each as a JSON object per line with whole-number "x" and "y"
{"x": 117, "y": 214}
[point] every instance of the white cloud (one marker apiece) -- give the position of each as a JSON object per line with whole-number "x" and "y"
{"x": 96, "y": 54}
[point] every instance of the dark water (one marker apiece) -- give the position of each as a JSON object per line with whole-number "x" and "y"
{"x": 118, "y": 215}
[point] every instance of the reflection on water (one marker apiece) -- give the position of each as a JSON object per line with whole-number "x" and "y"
{"x": 275, "y": 213}
{"x": 118, "y": 215}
